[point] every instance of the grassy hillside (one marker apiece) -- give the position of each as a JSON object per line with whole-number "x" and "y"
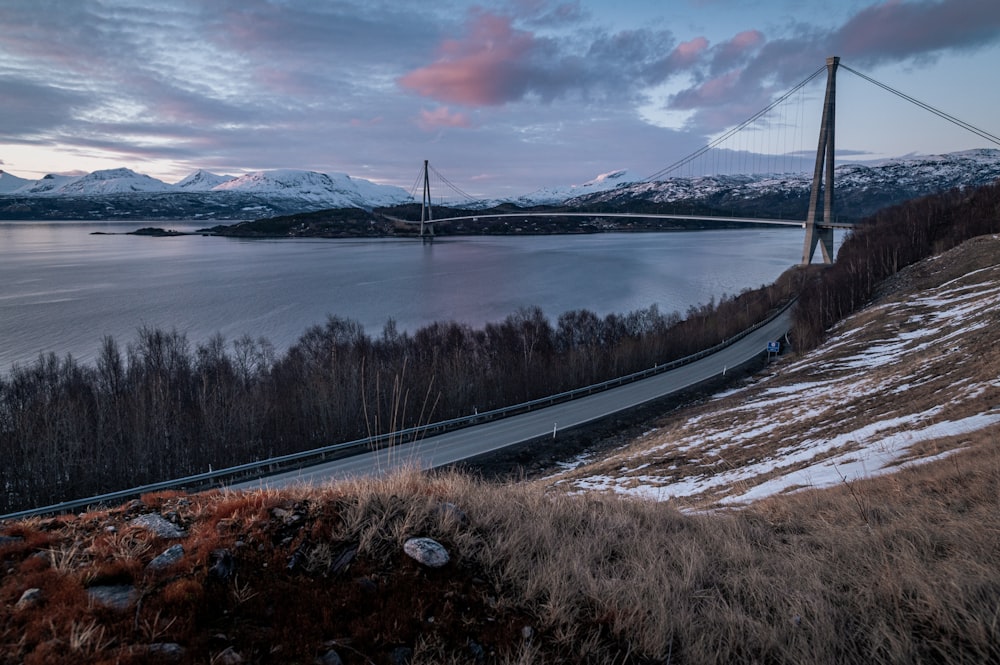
{"x": 892, "y": 560}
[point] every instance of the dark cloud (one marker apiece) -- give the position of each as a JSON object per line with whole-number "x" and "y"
{"x": 743, "y": 75}
{"x": 495, "y": 63}
{"x": 542, "y": 13}
{"x": 29, "y": 108}
{"x": 897, "y": 31}
{"x": 735, "y": 52}
{"x": 238, "y": 84}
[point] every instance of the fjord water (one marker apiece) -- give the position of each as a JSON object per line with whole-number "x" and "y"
{"x": 63, "y": 289}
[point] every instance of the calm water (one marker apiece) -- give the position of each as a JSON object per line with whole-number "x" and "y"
{"x": 63, "y": 289}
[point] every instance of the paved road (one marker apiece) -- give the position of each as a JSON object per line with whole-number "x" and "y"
{"x": 451, "y": 447}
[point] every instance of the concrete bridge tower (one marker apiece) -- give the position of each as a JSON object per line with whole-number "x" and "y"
{"x": 823, "y": 178}
{"x": 426, "y": 213}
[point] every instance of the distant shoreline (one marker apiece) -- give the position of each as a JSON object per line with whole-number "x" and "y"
{"x": 152, "y": 231}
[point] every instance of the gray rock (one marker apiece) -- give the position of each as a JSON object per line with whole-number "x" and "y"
{"x": 228, "y": 657}
{"x": 223, "y": 565}
{"x": 426, "y": 551}
{"x": 477, "y": 651}
{"x": 401, "y": 656}
{"x": 167, "y": 558}
{"x": 450, "y": 511}
{"x": 331, "y": 657}
{"x": 343, "y": 559}
{"x": 170, "y": 651}
{"x": 118, "y": 596}
{"x": 158, "y": 525}
{"x": 30, "y": 598}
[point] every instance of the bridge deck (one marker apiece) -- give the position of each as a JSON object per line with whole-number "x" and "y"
{"x": 634, "y": 215}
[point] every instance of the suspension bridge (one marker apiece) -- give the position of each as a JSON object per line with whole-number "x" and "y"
{"x": 820, "y": 220}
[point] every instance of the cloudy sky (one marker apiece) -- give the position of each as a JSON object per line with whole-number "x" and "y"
{"x": 502, "y": 96}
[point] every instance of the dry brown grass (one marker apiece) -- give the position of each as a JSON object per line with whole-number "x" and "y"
{"x": 896, "y": 569}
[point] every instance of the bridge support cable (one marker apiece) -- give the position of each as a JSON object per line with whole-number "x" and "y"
{"x": 735, "y": 130}
{"x": 981, "y": 133}
{"x": 416, "y": 183}
{"x": 452, "y": 186}
{"x": 823, "y": 177}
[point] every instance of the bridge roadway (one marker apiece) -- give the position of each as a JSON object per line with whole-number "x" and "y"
{"x": 634, "y": 215}
{"x": 470, "y": 442}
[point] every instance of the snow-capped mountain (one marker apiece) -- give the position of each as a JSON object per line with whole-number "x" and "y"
{"x": 555, "y": 195}
{"x": 10, "y": 182}
{"x": 52, "y": 183}
{"x": 202, "y": 181}
{"x": 338, "y": 190}
{"x": 125, "y": 193}
{"x": 112, "y": 181}
{"x": 861, "y": 188}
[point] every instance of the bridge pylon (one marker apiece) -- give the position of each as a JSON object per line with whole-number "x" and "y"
{"x": 816, "y": 231}
{"x": 426, "y": 213}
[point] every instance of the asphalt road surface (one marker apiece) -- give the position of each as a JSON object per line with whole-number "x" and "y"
{"x": 458, "y": 445}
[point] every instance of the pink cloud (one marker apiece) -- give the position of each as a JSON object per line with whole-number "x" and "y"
{"x": 485, "y": 68}
{"x": 715, "y": 91}
{"x": 737, "y": 50}
{"x": 747, "y": 39}
{"x": 443, "y": 117}
{"x": 687, "y": 53}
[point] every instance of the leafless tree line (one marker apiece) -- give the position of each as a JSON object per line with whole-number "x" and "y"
{"x": 163, "y": 408}
{"x": 884, "y": 244}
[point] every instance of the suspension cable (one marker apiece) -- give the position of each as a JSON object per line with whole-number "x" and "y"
{"x": 451, "y": 185}
{"x": 927, "y": 107}
{"x": 701, "y": 151}
{"x": 416, "y": 183}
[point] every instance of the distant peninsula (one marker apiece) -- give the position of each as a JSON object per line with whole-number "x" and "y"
{"x": 404, "y": 222}
{"x": 153, "y": 231}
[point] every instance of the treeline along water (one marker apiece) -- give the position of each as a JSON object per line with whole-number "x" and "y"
{"x": 164, "y": 404}
{"x": 62, "y": 289}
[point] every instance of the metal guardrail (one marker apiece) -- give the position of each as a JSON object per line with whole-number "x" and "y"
{"x": 317, "y": 455}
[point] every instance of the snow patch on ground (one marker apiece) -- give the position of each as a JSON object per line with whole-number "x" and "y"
{"x": 843, "y": 412}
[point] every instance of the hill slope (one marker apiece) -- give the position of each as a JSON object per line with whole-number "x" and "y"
{"x": 892, "y": 569}
{"x": 903, "y": 381}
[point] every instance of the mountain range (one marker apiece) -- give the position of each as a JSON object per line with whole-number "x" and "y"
{"x": 123, "y": 193}
{"x": 861, "y": 188}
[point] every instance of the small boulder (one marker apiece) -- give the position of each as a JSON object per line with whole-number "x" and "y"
{"x": 426, "y": 551}
{"x": 116, "y": 596}
{"x": 166, "y": 651}
{"x": 159, "y": 525}
{"x": 30, "y": 598}
{"x": 331, "y": 657}
{"x": 167, "y": 558}
{"x": 450, "y": 511}
{"x": 401, "y": 656}
{"x": 222, "y": 565}
{"x": 228, "y": 657}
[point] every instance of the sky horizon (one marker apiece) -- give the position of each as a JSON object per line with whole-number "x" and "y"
{"x": 502, "y": 96}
